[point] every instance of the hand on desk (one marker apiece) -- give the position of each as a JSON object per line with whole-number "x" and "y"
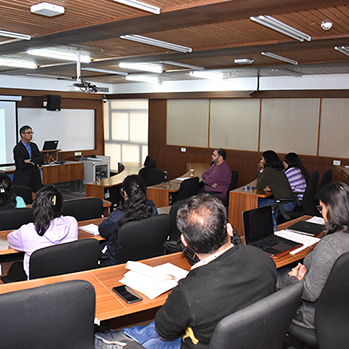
{"x": 267, "y": 188}
{"x": 299, "y": 271}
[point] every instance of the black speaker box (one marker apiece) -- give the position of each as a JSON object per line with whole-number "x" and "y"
{"x": 53, "y": 102}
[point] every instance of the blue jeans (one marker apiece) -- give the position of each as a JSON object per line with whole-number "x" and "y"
{"x": 149, "y": 338}
{"x": 289, "y": 206}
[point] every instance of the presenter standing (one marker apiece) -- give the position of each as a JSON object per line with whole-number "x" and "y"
{"x": 27, "y": 158}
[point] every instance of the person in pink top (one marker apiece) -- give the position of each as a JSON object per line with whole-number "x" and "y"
{"x": 218, "y": 177}
{"x": 49, "y": 227}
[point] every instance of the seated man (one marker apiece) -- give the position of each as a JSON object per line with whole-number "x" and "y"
{"x": 226, "y": 279}
{"x": 217, "y": 178}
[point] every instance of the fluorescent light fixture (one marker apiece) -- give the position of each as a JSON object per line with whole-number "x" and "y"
{"x": 59, "y": 54}
{"x": 343, "y": 49}
{"x": 141, "y": 5}
{"x": 47, "y": 9}
{"x": 148, "y": 67}
{"x": 105, "y": 71}
{"x": 280, "y": 58}
{"x": 14, "y": 35}
{"x": 206, "y": 75}
{"x": 243, "y": 61}
{"x": 17, "y": 64}
{"x": 51, "y": 76}
{"x": 281, "y": 27}
{"x": 143, "y": 78}
{"x": 158, "y": 43}
{"x": 183, "y": 65}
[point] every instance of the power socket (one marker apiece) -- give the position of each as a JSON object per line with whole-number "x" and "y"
{"x": 336, "y": 162}
{"x": 183, "y": 150}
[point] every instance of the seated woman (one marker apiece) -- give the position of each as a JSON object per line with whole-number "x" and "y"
{"x": 135, "y": 207}
{"x": 296, "y": 173}
{"x": 272, "y": 178}
{"x": 49, "y": 227}
{"x": 7, "y": 199}
{"x": 334, "y": 207}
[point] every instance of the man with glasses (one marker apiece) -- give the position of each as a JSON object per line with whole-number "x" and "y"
{"x": 27, "y": 158}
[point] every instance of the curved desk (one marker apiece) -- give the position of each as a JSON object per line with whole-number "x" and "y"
{"x": 243, "y": 199}
{"x": 96, "y": 189}
{"x": 160, "y": 193}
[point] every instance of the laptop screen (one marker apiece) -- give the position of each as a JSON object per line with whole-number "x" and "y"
{"x": 258, "y": 224}
{"x": 50, "y": 145}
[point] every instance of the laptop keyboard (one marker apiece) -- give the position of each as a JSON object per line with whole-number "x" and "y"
{"x": 267, "y": 242}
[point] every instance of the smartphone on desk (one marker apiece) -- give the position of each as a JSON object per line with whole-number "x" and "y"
{"x": 127, "y": 294}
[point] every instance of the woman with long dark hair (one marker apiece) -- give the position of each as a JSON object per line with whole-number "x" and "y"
{"x": 135, "y": 207}
{"x": 296, "y": 174}
{"x": 8, "y": 199}
{"x": 49, "y": 227}
{"x": 316, "y": 267}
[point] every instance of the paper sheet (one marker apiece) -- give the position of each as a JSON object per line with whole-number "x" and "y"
{"x": 91, "y": 228}
{"x": 317, "y": 220}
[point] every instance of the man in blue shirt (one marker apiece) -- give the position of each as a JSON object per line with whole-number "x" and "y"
{"x": 27, "y": 158}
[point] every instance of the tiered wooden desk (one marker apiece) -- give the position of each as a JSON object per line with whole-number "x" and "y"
{"x": 97, "y": 189}
{"x": 108, "y": 305}
{"x": 160, "y": 193}
{"x": 243, "y": 199}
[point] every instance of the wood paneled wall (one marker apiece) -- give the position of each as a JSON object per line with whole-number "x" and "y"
{"x": 69, "y": 100}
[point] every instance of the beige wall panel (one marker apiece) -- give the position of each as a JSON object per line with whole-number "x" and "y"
{"x": 234, "y": 124}
{"x": 290, "y": 125}
{"x": 187, "y": 122}
{"x": 334, "y": 128}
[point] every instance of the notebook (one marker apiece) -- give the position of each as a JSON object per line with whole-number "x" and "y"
{"x": 306, "y": 228}
{"x": 259, "y": 232}
{"x": 50, "y": 145}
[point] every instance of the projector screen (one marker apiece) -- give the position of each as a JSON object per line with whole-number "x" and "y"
{"x": 8, "y": 131}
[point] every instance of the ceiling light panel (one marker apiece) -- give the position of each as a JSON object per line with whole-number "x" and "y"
{"x": 279, "y": 58}
{"x": 59, "y": 54}
{"x": 143, "y": 78}
{"x": 106, "y": 71}
{"x": 14, "y": 35}
{"x": 148, "y": 41}
{"x": 17, "y": 64}
{"x": 281, "y": 27}
{"x": 148, "y": 67}
{"x": 140, "y": 5}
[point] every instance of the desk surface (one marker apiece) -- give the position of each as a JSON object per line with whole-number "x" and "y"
{"x": 5, "y": 250}
{"x": 108, "y": 305}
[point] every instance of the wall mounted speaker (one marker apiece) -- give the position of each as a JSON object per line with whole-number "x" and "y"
{"x": 53, "y": 102}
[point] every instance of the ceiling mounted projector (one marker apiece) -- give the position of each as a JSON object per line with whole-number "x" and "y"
{"x": 46, "y": 9}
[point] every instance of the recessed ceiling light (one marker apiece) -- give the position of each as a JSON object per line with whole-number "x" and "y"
{"x": 47, "y": 9}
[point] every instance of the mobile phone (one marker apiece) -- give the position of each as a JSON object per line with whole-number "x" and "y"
{"x": 127, "y": 294}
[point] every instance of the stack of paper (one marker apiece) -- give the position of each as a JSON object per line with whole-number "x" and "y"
{"x": 91, "y": 228}
{"x": 152, "y": 281}
{"x": 306, "y": 240}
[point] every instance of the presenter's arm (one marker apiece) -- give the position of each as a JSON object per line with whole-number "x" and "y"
{"x": 21, "y": 156}
{"x": 37, "y": 157}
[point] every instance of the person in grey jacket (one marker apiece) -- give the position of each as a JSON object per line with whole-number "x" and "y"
{"x": 317, "y": 265}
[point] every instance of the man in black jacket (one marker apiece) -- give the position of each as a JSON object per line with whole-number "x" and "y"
{"x": 27, "y": 158}
{"x": 227, "y": 278}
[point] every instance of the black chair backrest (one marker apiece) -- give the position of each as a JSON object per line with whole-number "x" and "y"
{"x": 59, "y": 315}
{"x": 232, "y": 185}
{"x": 142, "y": 239}
{"x": 64, "y": 258}
{"x": 326, "y": 179}
{"x": 261, "y": 325}
{"x": 188, "y": 188}
{"x": 174, "y": 231}
{"x": 83, "y": 209}
{"x": 14, "y": 218}
{"x": 308, "y": 203}
{"x": 144, "y": 171}
{"x": 154, "y": 176}
{"x": 23, "y": 191}
{"x": 332, "y": 307}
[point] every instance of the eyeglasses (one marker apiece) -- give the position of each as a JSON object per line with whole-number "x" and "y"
{"x": 320, "y": 208}
{"x": 29, "y": 132}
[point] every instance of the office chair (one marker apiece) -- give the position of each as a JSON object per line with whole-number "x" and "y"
{"x": 64, "y": 258}
{"x": 142, "y": 239}
{"x": 59, "y": 315}
{"x": 154, "y": 176}
{"x": 261, "y": 325}
{"x": 83, "y": 209}
{"x": 14, "y": 218}
{"x": 331, "y": 311}
{"x": 144, "y": 171}
{"x": 326, "y": 179}
{"x": 188, "y": 188}
{"x": 23, "y": 191}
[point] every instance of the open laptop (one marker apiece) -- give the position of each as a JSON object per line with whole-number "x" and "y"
{"x": 50, "y": 145}
{"x": 259, "y": 232}
{"x": 306, "y": 228}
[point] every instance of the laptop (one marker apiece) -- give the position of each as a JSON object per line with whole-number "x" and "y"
{"x": 306, "y": 228}
{"x": 259, "y": 232}
{"x": 50, "y": 145}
